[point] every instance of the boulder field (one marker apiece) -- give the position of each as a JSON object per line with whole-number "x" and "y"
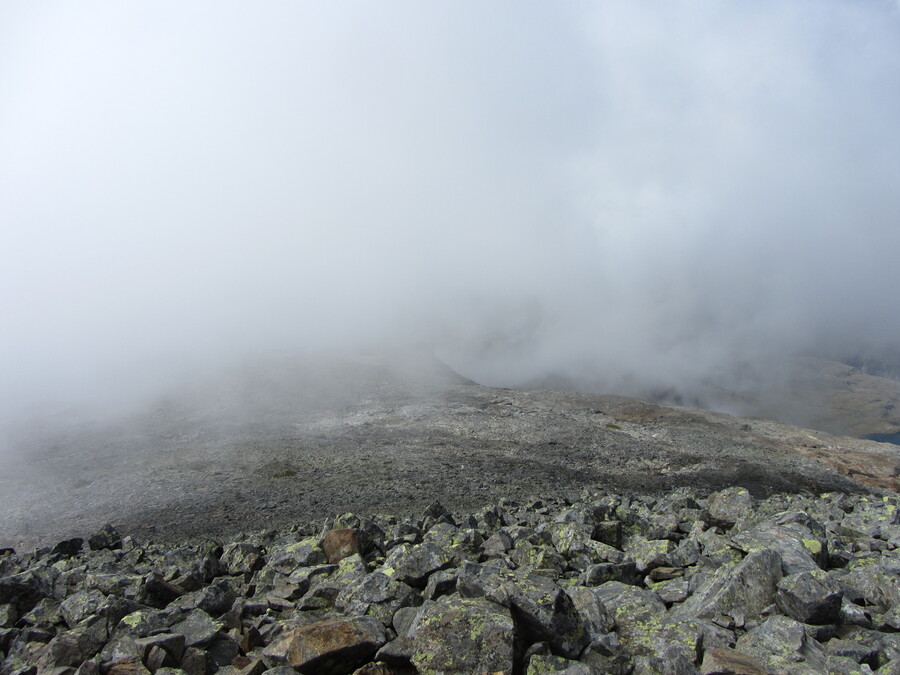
{"x": 681, "y": 582}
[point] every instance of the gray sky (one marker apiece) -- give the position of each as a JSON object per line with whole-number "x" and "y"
{"x": 640, "y": 193}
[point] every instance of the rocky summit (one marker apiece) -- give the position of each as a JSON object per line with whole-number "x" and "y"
{"x": 675, "y": 583}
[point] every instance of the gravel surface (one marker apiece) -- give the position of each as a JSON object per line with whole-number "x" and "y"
{"x": 286, "y": 443}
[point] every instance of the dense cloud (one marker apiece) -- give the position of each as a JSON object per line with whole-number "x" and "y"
{"x": 635, "y": 195}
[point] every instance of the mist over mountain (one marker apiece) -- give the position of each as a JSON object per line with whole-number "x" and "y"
{"x": 638, "y": 198}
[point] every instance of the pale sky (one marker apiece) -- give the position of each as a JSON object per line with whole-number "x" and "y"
{"x": 646, "y": 192}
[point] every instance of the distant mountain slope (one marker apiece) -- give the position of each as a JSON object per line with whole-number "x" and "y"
{"x": 282, "y": 442}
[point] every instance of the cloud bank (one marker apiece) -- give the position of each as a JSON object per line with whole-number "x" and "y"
{"x": 632, "y": 195}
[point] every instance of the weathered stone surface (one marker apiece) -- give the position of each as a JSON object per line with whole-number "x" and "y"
{"x": 599, "y": 574}
{"x": 157, "y": 592}
{"x": 557, "y": 612}
{"x": 242, "y": 558}
{"x": 106, "y": 537}
{"x": 547, "y": 664}
{"x": 810, "y": 597}
{"x": 648, "y": 553}
{"x": 596, "y": 617}
{"x": 783, "y": 646}
{"x": 198, "y": 628}
{"x": 741, "y": 592}
{"x": 726, "y": 661}
{"x": 327, "y": 647}
{"x": 463, "y": 635}
{"x": 414, "y": 564}
{"x": 377, "y": 595}
{"x": 544, "y": 611}
{"x": 340, "y": 544}
{"x": 726, "y": 507}
{"x": 796, "y": 545}
{"x": 304, "y": 553}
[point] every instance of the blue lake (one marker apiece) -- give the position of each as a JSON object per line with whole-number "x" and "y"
{"x": 884, "y": 438}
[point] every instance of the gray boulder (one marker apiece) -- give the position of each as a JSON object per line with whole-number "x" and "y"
{"x": 740, "y": 592}
{"x": 783, "y": 646}
{"x": 810, "y": 597}
{"x": 463, "y": 635}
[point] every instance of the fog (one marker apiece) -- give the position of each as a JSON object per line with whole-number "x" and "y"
{"x": 627, "y": 196}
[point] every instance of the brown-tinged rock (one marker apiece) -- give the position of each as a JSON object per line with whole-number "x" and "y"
{"x": 340, "y": 544}
{"x": 327, "y": 647}
{"x": 727, "y": 661}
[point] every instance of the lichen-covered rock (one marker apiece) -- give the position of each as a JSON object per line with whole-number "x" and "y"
{"x": 796, "y": 544}
{"x": 377, "y": 595}
{"x": 106, "y": 537}
{"x": 727, "y": 507}
{"x": 414, "y": 564}
{"x": 810, "y": 597}
{"x": 241, "y": 558}
{"x": 327, "y": 647}
{"x": 462, "y": 635}
{"x": 304, "y": 553}
{"x": 596, "y": 617}
{"x": 783, "y": 646}
{"x": 544, "y": 611}
{"x": 741, "y": 592}
{"x": 548, "y": 664}
{"x": 648, "y": 553}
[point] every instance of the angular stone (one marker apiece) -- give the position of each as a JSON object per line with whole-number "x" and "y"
{"x": 198, "y": 628}
{"x": 497, "y": 544}
{"x": 796, "y": 546}
{"x": 24, "y": 590}
{"x": 440, "y": 583}
{"x": 871, "y": 585}
{"x": 215, "y": 599}
{"x": 597, "y": 575}
{"x": 852, "y": 649}
{"x": 107, "y": 537}
{"x": 377, "y": 595}
{"x": 672, "y": 591}
{"x": 130, "y": 667}
{"x": 539, "y": 557}
{"x": 414, "y": 564}
{"x": 142, "y": 623}
{"x": 172, "y": 643}
{"x": 61, "y": 651}
{"x": 80, "y": 605}
{"x": 742, "y": 591}
{"x": 463, "y": 635}
{"x": 608, "y": 532}
{"x": 325, "y": 591}
{"x": 340, "y": 544}
{"x": 728, "y": 506}
{"x": 547, "y": 664}
{"x": 8, "y": 615}
{"x": 242, "y": 558}
{"x": 157, "y": 592}
{"x": 597, "y": 619}
{"x": 810, "y": 597}
{"x": 542, "y": 610}
{"x": 304, "y": 553}
{"x": 783, "y": 646}
{"x": 461, "y": 543}
{"x": 68, "y": 547}
{"x": 727, "y": 661}
{"x": 645, "y": 628}
{"x": 648, "y": 553}
{"x": 327, "y": 647}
